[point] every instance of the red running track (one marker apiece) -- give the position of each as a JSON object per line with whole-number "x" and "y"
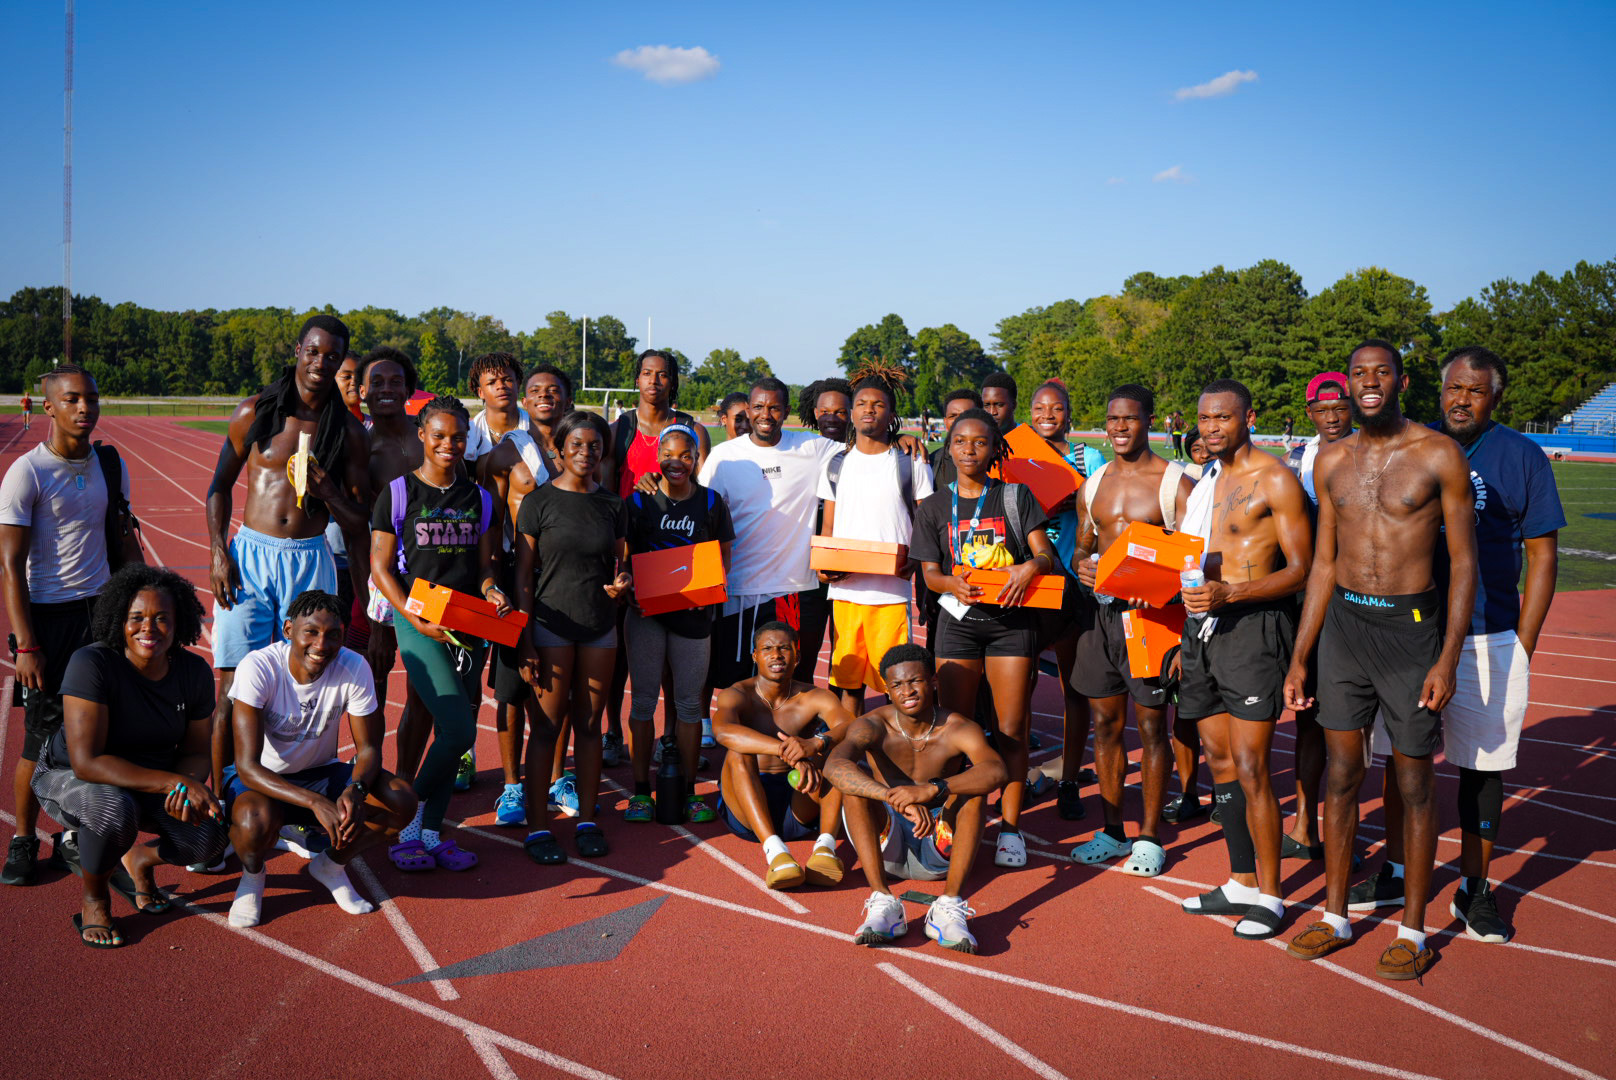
{"x": 1082, "y": 971}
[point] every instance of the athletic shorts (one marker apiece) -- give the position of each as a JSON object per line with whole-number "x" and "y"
{"x": 777, "y": 792}
{"x": 732, "y": 637}
{"x": 274, "y": 571}
{"x": 1241, "y": 669}
{"x": 1076, "y": 615}
{"x": 1013, "y": 633}
{"x": 1374, "y": 653}
{"x": 328, "y": 780}
{"x": 864, "y": 633}
{"x": 60, "y": 630}
{"x": 1101, "y": 670}
{"x": 546, "y": 639}
{"x": 903, "y": 856}
{"x": 1481, "y": 727}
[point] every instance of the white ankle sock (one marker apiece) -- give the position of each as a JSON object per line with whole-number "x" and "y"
{"x": 412, "y": 831}
{"x": 773, "y": 847}
{"x": 334, "y": 876}
{"x": 1338, "y": 923}
{"x": 826, "y": 841}
{"x": 1272, "y": 903}
{"x": 248, "y": 906}
{"x": 430, "y": 838}
{"x": 1417, "y": 937}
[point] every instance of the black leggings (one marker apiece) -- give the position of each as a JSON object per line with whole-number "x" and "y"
{"x": 109, "y": 820}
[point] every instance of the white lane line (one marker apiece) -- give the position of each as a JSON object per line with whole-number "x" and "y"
{"x": 1528, "y": 852}
{"x": 1600, "y": 750}
{"x": 1586, "y": 638}
{"x": 986, "y": 973}
{"x": 406, "y": 933}
{"x": 1572, "y": 678}
{"x": 1382, "y": 987}
{"x": 492, "y": 1059}
{"x": 1574, "y": 655}
{"x": 960, "y": 1016}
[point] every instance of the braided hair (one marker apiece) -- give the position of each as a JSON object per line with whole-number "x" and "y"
{"x": 882, "y": 376}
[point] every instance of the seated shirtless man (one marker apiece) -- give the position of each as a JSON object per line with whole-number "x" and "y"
{"x": 889, "y": 812}
{"x": 289, "y": 700}
{"x": 771, "y": 724}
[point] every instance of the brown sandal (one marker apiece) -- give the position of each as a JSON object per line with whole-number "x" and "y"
{"x": 1317, "y": 940}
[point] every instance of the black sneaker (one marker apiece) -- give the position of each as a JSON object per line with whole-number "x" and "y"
{"x": 1382, "y": 890}
{"x": 1069, "y": 800}
{"x": 1479, "y": 912}
{"x": 22, "y": 861}
{"x": 1033, "y": 741}
{"x": 1182, "y": 808}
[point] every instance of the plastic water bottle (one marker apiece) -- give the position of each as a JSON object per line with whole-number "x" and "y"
{"x": 1103, "y": 598}
{"x": 670, "y": 785}
{"x": 1192, "y": 576}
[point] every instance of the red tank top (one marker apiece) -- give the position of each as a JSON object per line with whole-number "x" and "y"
{"x": 640, "y": 459}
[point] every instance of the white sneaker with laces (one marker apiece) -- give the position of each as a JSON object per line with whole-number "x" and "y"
{"x": 884, "y": 920}
{"x": 945, "y": 924}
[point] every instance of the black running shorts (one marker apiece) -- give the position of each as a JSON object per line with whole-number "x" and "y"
{"x": 1374, "y": 653}
{"x": 1241, "y": 669}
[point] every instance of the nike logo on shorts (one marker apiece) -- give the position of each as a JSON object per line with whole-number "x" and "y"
{"x": 1253, "y": 700}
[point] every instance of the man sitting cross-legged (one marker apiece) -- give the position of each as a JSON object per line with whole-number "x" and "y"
{"x": 289, "y": 699}
{"x": 768, "y": 723}
{"x": 888, "y": 811}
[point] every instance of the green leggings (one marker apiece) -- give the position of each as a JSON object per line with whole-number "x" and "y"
{"x": 453, "y": 698}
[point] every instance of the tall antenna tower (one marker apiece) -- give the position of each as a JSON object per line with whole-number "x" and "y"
{"x": 67, "y": 194}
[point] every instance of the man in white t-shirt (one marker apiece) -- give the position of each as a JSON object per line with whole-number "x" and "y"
{"x": 54, "y": 557}
{"x": 870, "y": 490}
{"x": 289, "y": 700}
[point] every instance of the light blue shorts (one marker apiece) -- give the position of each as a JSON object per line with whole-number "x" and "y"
{"x": 274, "y": 571}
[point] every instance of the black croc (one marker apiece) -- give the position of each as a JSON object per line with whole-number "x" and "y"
{"x": 592, "y": 843}
{"x": 545, "y": 850}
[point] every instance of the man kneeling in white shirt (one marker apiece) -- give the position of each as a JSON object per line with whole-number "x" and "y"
{"x": 289, "y": 701}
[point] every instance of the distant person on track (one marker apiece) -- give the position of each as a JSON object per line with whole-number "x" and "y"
{"x": 773, "y": 724}
{"x": 825, "y": 406}
{"x": 1330, "y": 411}
{"x": 63, "y": 530}
{"x": 999, "y": 400}
{"x": 280, "y": 550}
{"x": 1237, "y": 645}
{"x": 571, "y": 575}
{"x": 1137, "y": 486}
{"x": 1195, "y": 449}
{"x": 27, "y": 404}
{"x": 1390, "y": 495}
{"x": 132, "y": 752}
{"x": 915, "y": 778}
{"x": 435, "y": 523}
{"x": 680, "y": 512}
{"x": 732, "y": 415}
{"x": 1518, "y": 514}
{"x": 290, "y": 698}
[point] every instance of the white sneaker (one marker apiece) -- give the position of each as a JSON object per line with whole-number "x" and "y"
{"x": 884, "y": 920}
{"x": 945, "y": 924}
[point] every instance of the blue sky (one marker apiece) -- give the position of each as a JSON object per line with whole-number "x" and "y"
{"x": 949, "y": 162}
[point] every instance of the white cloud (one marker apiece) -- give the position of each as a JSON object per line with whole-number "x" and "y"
{"x": 1113, "y": 181}
{"x": 1222, "y": 86}
{"x": 1174, "y": 175}
{"x": 669, "y": 64}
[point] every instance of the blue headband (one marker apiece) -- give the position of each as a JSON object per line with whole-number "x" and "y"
{"x": 678, "y": 429}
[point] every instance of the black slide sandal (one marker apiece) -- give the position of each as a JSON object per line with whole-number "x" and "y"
{"x": 1215, "y": 903}
{"x": 1259, "y": 914}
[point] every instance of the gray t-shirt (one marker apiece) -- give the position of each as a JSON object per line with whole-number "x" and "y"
{"x": 67, "y": 540}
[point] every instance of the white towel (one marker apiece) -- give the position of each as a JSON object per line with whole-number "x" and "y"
{"x": 1198, "y": 521}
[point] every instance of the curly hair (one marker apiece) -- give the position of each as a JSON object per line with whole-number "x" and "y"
{"x": 1001, "y": 449}
{"x": 808, "y": 399}
{"x": 112, "y": 606}
{"x": 908, "y": 653}
{"x": 670, "y": 363}
{"x": 313, "y": 600}
{"x": 387, "y": 352}
{"x": 443, "y": 403}
{"x": 494, "y": 361}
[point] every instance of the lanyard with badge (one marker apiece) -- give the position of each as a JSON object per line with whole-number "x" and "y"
{"x": 976, "y": 515}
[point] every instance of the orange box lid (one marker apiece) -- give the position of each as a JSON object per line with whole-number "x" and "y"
{"x": 1039, "y": 466}
{"x": 675, "y": 570}
{"x": 1145, "y": 562}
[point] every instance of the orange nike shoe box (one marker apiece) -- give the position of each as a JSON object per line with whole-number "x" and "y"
{"x": 464, "y": 612}
{"x": 838, "y": 553}
{"x": 678, "y": 578}
{"x": 1044, "y": 591}
{"x": 1151, "y": 633}
{"x": 1039, "y": 466}
{"x": 1144, "y": 563}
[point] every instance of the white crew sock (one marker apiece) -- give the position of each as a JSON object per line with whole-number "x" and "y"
{"x": 248, "y": 907}
{"x": 773, "y": 846}
{"x": 412, "y": 831}
{"x": 334, "y": 876}
{"x": 1272, "y": 903}
{"x": 1416, "y": 937}
{"x": 826, "y": 841}
{"x": 430, "y": 838}
{"x": 1338, "y": 923}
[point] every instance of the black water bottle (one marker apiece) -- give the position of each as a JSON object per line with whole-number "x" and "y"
{"x": 670, "y": 785}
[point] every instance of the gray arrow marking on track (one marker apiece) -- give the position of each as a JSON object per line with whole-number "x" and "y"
{"x": 587, "y": 943}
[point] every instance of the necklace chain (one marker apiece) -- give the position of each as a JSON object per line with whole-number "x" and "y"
{"x": 1402, "y": 437}
{"x": 916, "y": 744}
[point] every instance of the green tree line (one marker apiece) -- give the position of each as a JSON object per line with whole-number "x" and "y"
{"x": 1258, "y": 324}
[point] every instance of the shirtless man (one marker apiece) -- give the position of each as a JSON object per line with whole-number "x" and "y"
{"x": 1137, "y": 486}
{"x": 1237, "y": 644}
{"x": 524, "y": 459}
{"x": 280, "y": 551}
{"x": 878, "y": 768}
{"x": 772, "y": 724}
{"x": 386, "y": 381}
{"x": 1387, "y": 495}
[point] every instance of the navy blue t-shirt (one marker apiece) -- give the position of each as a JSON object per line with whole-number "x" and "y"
{"x": 1516, "y": 500}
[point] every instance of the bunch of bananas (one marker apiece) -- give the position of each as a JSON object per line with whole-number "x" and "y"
{"x": 982, "y": 556}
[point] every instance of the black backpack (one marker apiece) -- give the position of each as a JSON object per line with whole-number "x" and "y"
{"x": 121, "y": 520}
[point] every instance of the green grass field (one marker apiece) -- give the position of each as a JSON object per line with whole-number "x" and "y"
{"x": 1587, "y": 544}
{"x": 155, "y": 408}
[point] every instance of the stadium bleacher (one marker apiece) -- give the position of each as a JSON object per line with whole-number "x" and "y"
{"x": 1596, "y": 416}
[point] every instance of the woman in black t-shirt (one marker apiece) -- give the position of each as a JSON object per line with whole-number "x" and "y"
{"x": 133, "y": 751}
{"x": 571, "y": 560}
{"x": 979, "y": 634}
{"x": 678, "y": 513}
{"x": 437, "y": 525}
